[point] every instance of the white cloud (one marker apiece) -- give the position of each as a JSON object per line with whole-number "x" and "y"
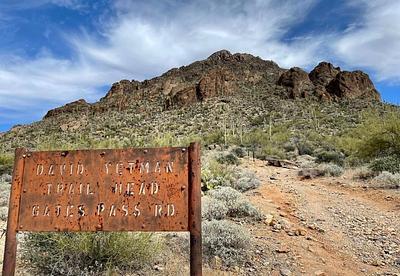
{"x": 146, "y": 39}
{"x": 373, "y": 42}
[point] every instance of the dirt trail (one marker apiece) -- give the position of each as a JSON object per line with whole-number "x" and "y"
{"x": 326, "y": 226}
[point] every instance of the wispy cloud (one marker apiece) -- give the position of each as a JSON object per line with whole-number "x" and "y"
{"x": 142, "y": 39}
{"x": 146, "y": 39}
{"x": 374, "y": 41}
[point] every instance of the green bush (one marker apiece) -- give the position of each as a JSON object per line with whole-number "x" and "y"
{"x": 212, "y": 208}
{"x": 330, "y": 169}
{"x": 228, "y": 159}
{"x": 388, "y": 163}
{"x": 6, "y": 163}
{"x": 386, "y": 180}
{"x": 330, "y": 157}
{"x": 377, "y": 136}
{"x": 364, "y": 173}
{"x": 305, "y": 148}
{"x": 215, "y": 174}
{"x": 226, "y": 240}
{"x": 88, "y": 253}
{"x": 239, "y": 152}
{"x": 245, "y": 181}
{"x": 236, "y": 204}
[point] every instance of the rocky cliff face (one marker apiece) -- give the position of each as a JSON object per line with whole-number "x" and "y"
{"x": 221, "y": 75}
{"x": 326, "y": 82}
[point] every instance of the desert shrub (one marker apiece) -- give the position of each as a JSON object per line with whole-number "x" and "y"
{"x": 246, "y": 209}
{"x": 5, "y": 178}
{"x": 305, "y": 148}
{"x": 228, "y": 159}
{"x": 235, "y": 203}
{"x": 227, "y": 195}
{"x": 378, "y": 135}
{"x": 6, "y": 163}
{"x": 289, "y": 147}
{"x": 226, "y": 240}
{"x": 330, "y": 169}
{"x": 212, "y": 208}
{"x": 364, "y": 173}
{"x": 330, "y": 157}
{"x": 245, "y": 181}
{"x": 388, "y": 163}
{"x": 214, "y": 174}
{"x": 4, "y": 194}
{"x": 386, "y": 180}
{"x": 3, "y": 213}
{"x": 88, "y": 253}
{"x": 239, "y": 152}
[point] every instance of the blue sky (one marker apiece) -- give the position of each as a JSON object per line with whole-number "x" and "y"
{"x": 56, "y": 51}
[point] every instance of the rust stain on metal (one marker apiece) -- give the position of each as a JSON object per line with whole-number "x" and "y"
{"x": 105, "y": 190}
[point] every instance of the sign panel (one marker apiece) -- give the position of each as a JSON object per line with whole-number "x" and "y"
{"x": 155, "y": 189}
{"x": 105, "y": 190}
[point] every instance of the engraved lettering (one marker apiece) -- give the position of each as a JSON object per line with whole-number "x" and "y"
{"x": 49, "y": 188}
{"x": 144, "y": 167}
{"x": 80, "y": 169}
{"x": 71, "y": 169}
{"x": 62, "y": 169}
{"x": 106, "y": 167}
{"x": 170, "y": 210}
{"x": 130, "y": 185}
{"x": 69, "y": 211}
{"x": 131, "y": 166}
{"x": 100, "y": 208}
{"x": 81, "y": 210}
{"x": 157, "y": 168}
{"x": 112, "y": 211}
{"x": 58, "y": 210}
{"x": 88, "y": 191}
{"x": 80, "y": 188}
{"x": 60, "y": 188}
{"x": 39, "y": 169}
{"x": 51, "y": 170}
{"x": 71, "y": 189}
{"x": 118, "y": 168}
{"x": 46, "y": 211}
{"x": 35, "y": 210}
{"x": 158, "y": 210}
{"x": 168, "y": 167}
{"x": 125, "y": 209}
{"x": 142, "y": 190}
{"x": 154, "y": 188}
{"x": 136, "y": 213}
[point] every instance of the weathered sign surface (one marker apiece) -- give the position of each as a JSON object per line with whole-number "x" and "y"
{"x": 154, "y": 189}
{"x": 105, "y": 190}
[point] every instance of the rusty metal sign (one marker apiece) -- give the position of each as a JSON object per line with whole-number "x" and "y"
{"x": 154, "y": 189}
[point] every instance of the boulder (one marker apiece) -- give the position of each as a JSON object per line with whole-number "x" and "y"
{"x": 323, "y": 74}
{"x": 353, "y": 85}
{"x": 297, "y": 82}
{"x": 78, "y": 106}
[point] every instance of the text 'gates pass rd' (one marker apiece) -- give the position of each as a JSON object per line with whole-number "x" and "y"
{"x": 155, "y": 189}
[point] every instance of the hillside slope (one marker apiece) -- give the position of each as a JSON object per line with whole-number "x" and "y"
{"x": 223, "y": 97}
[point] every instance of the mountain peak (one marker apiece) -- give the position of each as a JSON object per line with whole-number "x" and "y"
{"x": 220, "y": 55}
{"x": 224, "y": 74}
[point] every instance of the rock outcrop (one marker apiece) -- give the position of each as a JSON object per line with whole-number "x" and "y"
{"x": 353, "y": 85}
{"x": 327, "y": 82}
{"x": 223, "y": 74}
{"x": 297, "y": 81}
{"x": 78, "y": 106}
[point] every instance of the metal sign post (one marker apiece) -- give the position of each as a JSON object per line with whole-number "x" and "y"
{"x": 154, "y": 189}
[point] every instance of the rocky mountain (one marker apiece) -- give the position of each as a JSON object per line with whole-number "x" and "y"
{"x": 224, "y": 74}
{"x": 226, "y": 97}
